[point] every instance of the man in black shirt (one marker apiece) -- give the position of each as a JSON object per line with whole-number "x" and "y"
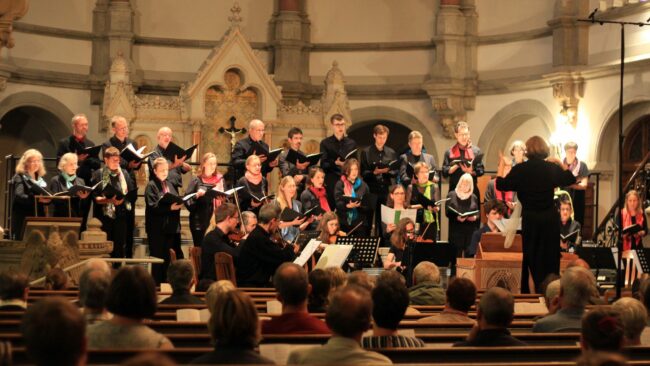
{"x": 251, "y": 145}
{"x": 462, "y": 158}
{"x": 120, "y": 140}
{"x": 76, "y": 143}
{"x": 260, "y": 257}
{"x": 177, "y": 168}
{"x": 216, "y": 241}
{"x": 297, "y": 171}
{"x": 378, "y": 179}
{"x": 334, "y": 149}
{"x": 415, "y": 155}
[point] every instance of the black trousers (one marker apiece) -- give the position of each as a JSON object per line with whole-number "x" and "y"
{"x": 541, "y": 247}
{"x": 116, "y": 231}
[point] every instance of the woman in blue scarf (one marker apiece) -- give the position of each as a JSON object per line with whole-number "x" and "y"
{"x": 67, "y": 178}
{"x": 348, "y": 193}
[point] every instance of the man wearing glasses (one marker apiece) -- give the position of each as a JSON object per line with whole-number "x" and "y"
{"x": 462, "y": 158}
{"x": 251, "y": 145}
{"x": 334, "y": 149}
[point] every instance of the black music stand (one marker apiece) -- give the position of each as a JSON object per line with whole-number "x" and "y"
{"x": 364, "y": 250}
{"x": 597, "y": 257}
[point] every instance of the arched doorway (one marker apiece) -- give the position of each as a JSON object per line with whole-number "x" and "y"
{"x": 635, "y": 146}
{"x": 397, "y": 138}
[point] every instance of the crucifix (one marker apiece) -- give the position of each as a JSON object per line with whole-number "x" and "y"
{"x": 232, "y": 131}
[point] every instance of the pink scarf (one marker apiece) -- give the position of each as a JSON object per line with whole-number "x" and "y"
{"x": 627, "y": 221}
{"x": 253, "y": 178}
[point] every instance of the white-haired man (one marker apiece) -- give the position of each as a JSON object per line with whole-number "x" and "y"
{"x": 177, "y": 168}
{"x": 253, "y": 144}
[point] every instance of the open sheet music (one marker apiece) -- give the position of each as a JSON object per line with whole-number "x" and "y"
{"x": 307, "y": 252}
{"x": 392, "y": 216}
{"x": 334, "y": 256}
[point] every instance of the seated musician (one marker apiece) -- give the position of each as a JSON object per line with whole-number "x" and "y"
{"x": 396, "y": 200}
{"x": 422, "y": 186}
{"x": 201, "y": 207}
{"x": 29, "y": 172}
{"x": 329, "y": 228}
{"x": 403, "y": 233}
{"x": 285, "y": 198}
{"x": 351, "y": 213}
{"x": 248, "y": 223}
{"x": 260, "y": 256}
{"x": 495, "y": 210}
{"x": 162, "y": 220}
{"x": 216, "y": 240}
{"x": 315, "y": 194}
{"x": 633, "y": 214}
{"x": 568, "y": 226}
{"x": 67, "y": 178}
{"x": 507, "y": 197}
{"x": 255, "y": 185}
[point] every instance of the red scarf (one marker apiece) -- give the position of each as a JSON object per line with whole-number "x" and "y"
{"x": 322, "y": 198}
{"x": 505, "y": 196}
{"x": 454, "y": 152}
{"x": 253, "y": 178}
{"x": 214, "y": 179}
{"x": 627, "y": 221}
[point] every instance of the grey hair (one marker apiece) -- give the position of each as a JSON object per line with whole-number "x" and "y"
{"x": 576, "y": 286}
{"x": 633, "y": 314}
{"x": 246, "y": 217}
{"x": 93, "y": 288}
{"x": 66, "y": 158}
{"x": 77, "y": 117}
{"x": 426, "y": 272}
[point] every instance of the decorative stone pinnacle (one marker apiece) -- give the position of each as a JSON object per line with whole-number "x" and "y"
{"x": 235, "y": 18}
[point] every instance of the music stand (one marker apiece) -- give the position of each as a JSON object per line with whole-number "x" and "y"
{"x": 305, "y": 236}
{"x": 597, "y": 257}
{"x": 364, "y": 250}
{"x": 65, "y": 198}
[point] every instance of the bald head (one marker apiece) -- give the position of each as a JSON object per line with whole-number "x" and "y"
{"x": 497, "y": 307}
{"x": 349, "y": 312}
{"x": 256, "y": 129}
{"x": 292, "y": 283}
{"x": 98, "y": 264}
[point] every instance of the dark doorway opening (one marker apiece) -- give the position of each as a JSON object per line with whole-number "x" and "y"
{"x": 397, "y": 138}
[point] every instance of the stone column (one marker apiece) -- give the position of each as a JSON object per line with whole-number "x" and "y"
{"x": 291, "y": 43}
{"x": 453, "y": 78}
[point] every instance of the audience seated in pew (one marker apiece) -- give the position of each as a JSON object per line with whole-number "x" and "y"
{"x": 215, "y": 290}
{"x": 461, "y": 296}
{"x": 180, "y": 275}
{"x": 234, "y": 329}
{"x": 14, "y": 289}
{"x": 390, "y": 299}
{"x": 320, "y": 283}
{"x": 55, "y": 333}
{"x": 599, "y": 358}
{"x": 602, "y": 330}
{"x": 426, "y": 289}
{"x": 131, "y": 298}
{"x": 338, "y": 278}
{"x": 93, "y": 289}
{"x": 494, "y": 314}
{"x": 149, "y": 359}
{"x": 576, "y": 287}
{"x": 552, "y": 297}
{"x": 634, "y": 317}
{"x": 361, "y": 279}
{"x": 292, "y": 284}
{"x": 348, "y": 316}
{"x": 56, "y": 279}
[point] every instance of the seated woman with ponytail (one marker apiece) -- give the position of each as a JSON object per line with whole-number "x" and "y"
{"x": 351, "y": 213}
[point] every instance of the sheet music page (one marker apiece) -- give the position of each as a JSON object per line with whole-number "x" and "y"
{"x": 411, "y": 213}
{"x": 334, "y": 256}
{"x": 188, "y": 315}
{"x": 306, "y": 253}
{"x": 387, "y": 215}
{"x": 279, "y": 352}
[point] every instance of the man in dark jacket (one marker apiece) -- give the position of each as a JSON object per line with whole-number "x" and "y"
{"x": 180, "y": 276}
{"x": 426, "y": 289}
{"x": 216, "y": 241}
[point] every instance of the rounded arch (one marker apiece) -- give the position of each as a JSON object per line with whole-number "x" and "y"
{"x": 40, "y": 100}
{"x": 509, "y": 118}
{"x": 362, "y": 117}
{"x": 607, "y": 142}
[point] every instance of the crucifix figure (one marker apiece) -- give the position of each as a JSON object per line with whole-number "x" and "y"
{"x": 232, "y": 131}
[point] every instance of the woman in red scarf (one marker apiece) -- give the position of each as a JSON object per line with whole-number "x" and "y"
{"x": 315, "y": 194}
{"x": 255, "y": 186}
{"x": 201, "y": 207}
{"x": 350, "y": 211}
{"x": 633, "y": 214}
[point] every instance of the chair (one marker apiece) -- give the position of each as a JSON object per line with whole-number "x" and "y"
{"x": 195, "y": 257}
{"x": 172, "y": 256}
{"x": 225, "y": 267}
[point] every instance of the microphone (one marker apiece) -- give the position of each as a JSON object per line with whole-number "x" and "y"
{"x": 592, "y": 16}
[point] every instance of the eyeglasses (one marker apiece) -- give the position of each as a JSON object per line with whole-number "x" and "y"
{"x": 399, "y": 193}
{"x": 338, "y": 124}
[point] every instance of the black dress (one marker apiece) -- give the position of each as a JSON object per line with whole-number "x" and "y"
{"x": 22, "y": 204}
{"x": 201, "y": 210}
{"x": 246, "y": 195}
{"x": 460, "y": 233}
{"x": 477, "y": 165}
{"x": 175, "y": 176}
{"x": 534, "y": 181}
{"x": 163, "y": 227}
{"x": 333, "y": 149}
{"x": 60, "y": 207}
{"x": 362, "y": 212}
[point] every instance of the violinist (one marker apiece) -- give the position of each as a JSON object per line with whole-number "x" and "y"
{"x": 396, "y": 200}
{"x": 67, "y": 178}
{"x": 285, "y": 198}
{"x": 226, "y": 219}
{"x": 255, "y": 186}
{"x": 422, "y": 186}
{"x": 329, "y": 228}
{"x": 29, "y": 172}
{"x": 259, "y": 256}
{"x": 351, "y": 185}
{"x": 315, "y": 194}
{"x": 201, "y": 207}
{"x": 403, "y": 233}
{"x": 248, "y": 223}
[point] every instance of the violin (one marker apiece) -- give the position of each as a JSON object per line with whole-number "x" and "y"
{"x": 236, "y": 236}
{"x": 332, "y": 238}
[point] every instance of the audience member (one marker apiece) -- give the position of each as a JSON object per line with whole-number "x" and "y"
{"x": 338, "y": 278}
{"x": 56, "y": 279}
{"x": 215, "y": 290}
{"x": 390, "y": 299}
{"x": 320, "y": 291}
{"x": 180, "y": 275}
{"x": 234, "y": 329}
{"x": 602, "y": 330}
{"x": 131, "y": 298}
{"x": 598, "y": 358}
{"x": 461, "y": 296}
{"x": 149, "y": 359}
{"x": 54, "y": 333}
{"x": 348, "y": 316}
{"x": 99, "y": 264}
{"x": 93, "y": 289}
{"x": 576, "y": 287}
{"x": 552, "y": 297}
{"x": 634, "y": 317}
{"x": 494, "y": 314}
{"x": 426, "y": 289}
{"x": 361, "y": 279}
{"x": 292, "y": 285}
{"x": 14, "y": 288}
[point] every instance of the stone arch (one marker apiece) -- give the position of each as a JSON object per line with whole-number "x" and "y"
{"x": 508, "y": 119}
{"x": 362, "y": 117}
{"x": 40, "y": 100}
